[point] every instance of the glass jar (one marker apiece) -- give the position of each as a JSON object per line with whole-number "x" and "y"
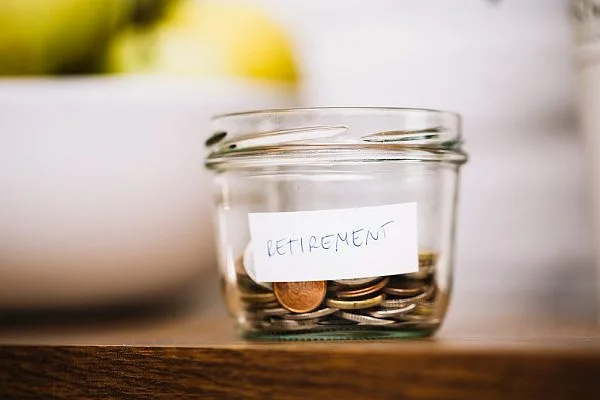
{"x": 336, "y": 223}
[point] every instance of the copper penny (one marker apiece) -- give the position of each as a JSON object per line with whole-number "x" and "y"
{"x": 300, "y": 297}
{"x": 346, "y": 294}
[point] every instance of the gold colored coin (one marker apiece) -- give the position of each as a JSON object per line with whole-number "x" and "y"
{"x": 251, "y": 307}
{"x": 300, "y": 297}
{"x": 344, "y": 294}
{"x": 424, "y": 309}
{"x": 404, "y": 292}
{"x": 427, "y": 258}
{"x": 355, "y": 304}
{"x": 257, "y": 297}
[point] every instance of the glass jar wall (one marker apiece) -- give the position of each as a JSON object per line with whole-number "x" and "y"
{"x": 336, "y": 222}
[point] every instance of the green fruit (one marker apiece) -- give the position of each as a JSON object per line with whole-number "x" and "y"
{"x": 206, "y": 39}
{"x": 147, "y": 12}
{"x": 132, "y": 51}
{"x": 53, "y": 36}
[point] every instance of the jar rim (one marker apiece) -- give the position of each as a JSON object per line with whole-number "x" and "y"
{"x": 320, "y": 135}
{"x": 354, "y": 109}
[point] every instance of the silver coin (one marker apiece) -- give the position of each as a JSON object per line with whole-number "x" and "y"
{"x": 392, "y": 312}
{"x": 363, "y": 319}
{"x": 333, "y": 321}
{"x": 271, "y": 312}
{"x": 357, "y": 281}
{"x": 311, "y": 315}
{"x": 398, "y": 303}
{"x": 277, "y": 325}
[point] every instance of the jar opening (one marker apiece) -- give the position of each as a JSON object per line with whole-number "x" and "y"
{"x": 335, "y": 134}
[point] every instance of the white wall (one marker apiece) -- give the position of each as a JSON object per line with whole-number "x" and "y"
{"x": 524, "y": 231}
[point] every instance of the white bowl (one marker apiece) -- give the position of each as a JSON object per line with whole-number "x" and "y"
{"x": 103, "y": 192}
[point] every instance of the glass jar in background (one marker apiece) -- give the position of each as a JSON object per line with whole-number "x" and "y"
{"x": 336, "y": 223}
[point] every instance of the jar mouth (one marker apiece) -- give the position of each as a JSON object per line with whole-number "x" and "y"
{"x": 331, "y": 110}
{"x": 334, "y": 134}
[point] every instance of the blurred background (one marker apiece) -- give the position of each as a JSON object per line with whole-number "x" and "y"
{"x": 105, "y": 106}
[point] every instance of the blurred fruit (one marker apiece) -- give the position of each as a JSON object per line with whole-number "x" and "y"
{"x": 146, "y": 12}
{"x": 51, "y": 36}
{"x": 206, "y": 39}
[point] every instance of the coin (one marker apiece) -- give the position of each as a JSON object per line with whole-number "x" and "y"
{"x": 364, "y": 319}
{"x": 424, "y": 309}
{"x": 402, "y": 301}
{"x": 392, "y": 312}
{"x": 427, "y": 258}
{"x": 270, "y": 312}
{"x": 247, "y": 285}
{"x": 396, "y": 303}
{"x": 332, "y": 320}
{"x": 287, "y": 325}
{"x": 261, "y": 306}
{"x": 257, "y": 297}
{"x": 315, "y": 314}
{"x": 354, "y": 304}
{"x": 357, "y": 281}
{"x": 300, "y": 297}
{"x": 403, "y": 292}
{"x": 412, "y": 317}
{"x": 343, "y": 294}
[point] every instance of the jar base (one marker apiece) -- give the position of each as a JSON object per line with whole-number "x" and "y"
{"x": 347, "y": 333}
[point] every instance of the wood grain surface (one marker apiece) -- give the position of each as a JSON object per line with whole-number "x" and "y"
{"x": 194, "y": 352}
{"x": 348, "y": 371}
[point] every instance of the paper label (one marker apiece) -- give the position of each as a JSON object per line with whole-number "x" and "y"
{"x": 334, "y": 244}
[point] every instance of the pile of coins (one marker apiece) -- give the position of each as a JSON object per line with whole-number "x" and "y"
{"x": 391, "y": 302}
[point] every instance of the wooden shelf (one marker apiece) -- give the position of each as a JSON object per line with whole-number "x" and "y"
{"x": 202, "y": 356}
{"x": 495, "y": 348}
